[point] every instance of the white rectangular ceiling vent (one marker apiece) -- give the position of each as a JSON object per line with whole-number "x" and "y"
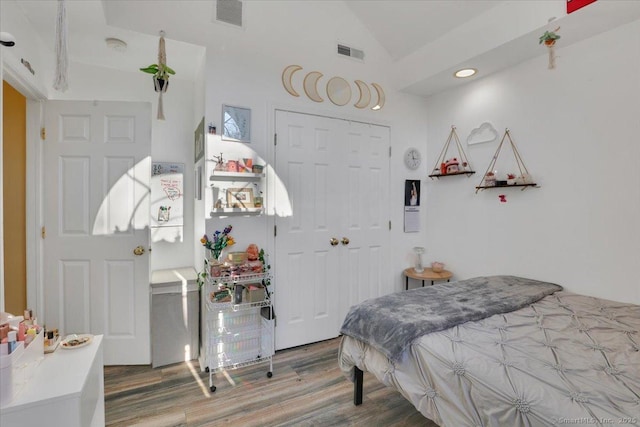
{"x": 350, "y": 52}
{"x": 229, "y": 11}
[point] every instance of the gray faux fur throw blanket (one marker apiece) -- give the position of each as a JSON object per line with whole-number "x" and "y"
{"x": 392, "y": 322}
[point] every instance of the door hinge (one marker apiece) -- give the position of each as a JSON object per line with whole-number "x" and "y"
{"x": 43, "y": 232}
{"x": 275, "y": 139}
{"x": 389, "y": 225}
{"x": 43, "y": 133}
{"x": 389, "y": 151}
{"x": 275, "y": 231}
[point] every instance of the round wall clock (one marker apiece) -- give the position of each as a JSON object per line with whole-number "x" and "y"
{"x": 412, "y": 158}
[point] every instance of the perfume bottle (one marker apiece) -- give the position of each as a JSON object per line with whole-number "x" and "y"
{"x": 419, "y": 267}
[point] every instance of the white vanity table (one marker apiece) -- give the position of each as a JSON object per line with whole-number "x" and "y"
{"x": 66, "y": 389}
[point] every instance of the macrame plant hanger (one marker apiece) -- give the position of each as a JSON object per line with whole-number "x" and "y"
{"x": 62, "y": 49}
{"x": 162, "y": 62}
{"x": 464, "y": 166}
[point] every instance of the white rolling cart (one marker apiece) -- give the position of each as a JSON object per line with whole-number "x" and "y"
{"x": 238, "y": 334}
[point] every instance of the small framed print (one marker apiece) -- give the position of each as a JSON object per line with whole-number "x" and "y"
{"x": 198, "y": 181}
{"x": 198, "y": 141}
{"x": 236, "y": 124}
{"x": 240, "y": 197}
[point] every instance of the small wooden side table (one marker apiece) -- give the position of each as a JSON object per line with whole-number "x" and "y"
{"x": 427, "y": 274}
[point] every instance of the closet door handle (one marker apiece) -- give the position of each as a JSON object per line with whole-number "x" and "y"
{"x": 333, "y": 241}
{"x": 345, "y": 241}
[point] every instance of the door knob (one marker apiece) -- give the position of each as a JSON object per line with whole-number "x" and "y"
{"x": 139, "y": 250}
{"x": 345, "y": 241}
{"x": 333, "y": 241}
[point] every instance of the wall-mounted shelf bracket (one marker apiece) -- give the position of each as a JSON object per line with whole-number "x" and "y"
{"x": 453, "y": 166}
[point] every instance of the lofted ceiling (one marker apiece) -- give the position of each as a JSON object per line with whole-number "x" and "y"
{"x": 426, "y": 39}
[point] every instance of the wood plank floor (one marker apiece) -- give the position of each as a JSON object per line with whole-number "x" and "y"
{"x": 307, "y": 389}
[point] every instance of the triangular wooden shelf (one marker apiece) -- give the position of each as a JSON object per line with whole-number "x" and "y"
{"x": 459, "y": 165}
{"x": 523, "y": 180}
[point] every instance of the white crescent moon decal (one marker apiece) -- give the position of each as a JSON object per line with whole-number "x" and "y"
{"x": 311, "y": 86}
{"x": 287, "y": 75}
{"x": 365, "y": 94}
{"x": 339, "y": 91}
{"x": 381, "y": 97}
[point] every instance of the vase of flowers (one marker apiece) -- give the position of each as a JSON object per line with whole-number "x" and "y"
{"x": 220, "y": 240}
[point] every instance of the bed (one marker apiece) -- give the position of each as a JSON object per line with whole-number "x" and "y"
{"x": 545, "y": 357}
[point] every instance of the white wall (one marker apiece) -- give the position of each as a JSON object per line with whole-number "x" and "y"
{"x": 245, "y": 70}
{"x": 577, "y": 129}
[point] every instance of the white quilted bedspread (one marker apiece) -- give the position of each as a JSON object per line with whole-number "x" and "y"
{"x": 567, "y": 359}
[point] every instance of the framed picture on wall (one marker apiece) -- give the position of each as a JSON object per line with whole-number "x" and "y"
{"x": 198, "y": 141}
{"x": 198, "y": 182}
{"x": 240, "y": 197}
{"x": 236, "y": 124}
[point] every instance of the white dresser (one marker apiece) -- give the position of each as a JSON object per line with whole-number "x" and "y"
{"x": 66, "y": 389}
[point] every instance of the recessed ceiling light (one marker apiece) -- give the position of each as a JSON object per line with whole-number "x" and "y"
{"x": 465, "y": 72}
{"x": 116, "y": 44}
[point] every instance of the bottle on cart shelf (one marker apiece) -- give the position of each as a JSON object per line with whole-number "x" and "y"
{"x": 238, "y": 293}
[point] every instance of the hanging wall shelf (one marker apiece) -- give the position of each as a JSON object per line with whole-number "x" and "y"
{"x": 459, "y": 165}
{"x": 490, "y": 178}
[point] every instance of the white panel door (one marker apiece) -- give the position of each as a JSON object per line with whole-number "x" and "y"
{"x": 97, "y": 170}
{"x": 333, "y": 173}
{"x": 364, "y": 269}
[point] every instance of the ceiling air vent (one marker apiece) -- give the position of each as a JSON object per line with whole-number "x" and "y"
{"x": 229, "y": 11}
{"x": 350, "y": 52}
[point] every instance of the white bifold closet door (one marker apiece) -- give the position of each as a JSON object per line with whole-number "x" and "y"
{"x": 332, "y": 222}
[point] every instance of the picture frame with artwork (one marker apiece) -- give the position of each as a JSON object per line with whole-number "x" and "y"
{"x": 240, "y": 197}
{"x": 236, "y": 124}
{"x": 198, "y": 182}
{"x": 198, "y": 141}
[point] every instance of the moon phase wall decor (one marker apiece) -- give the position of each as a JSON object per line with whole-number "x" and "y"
{"x": 338, "y": 90}
{"x": 365, "y": 94}
{"x": 311, "y": 86}
{"x": 381, "y": 97}
{"x": 287, "y": 76}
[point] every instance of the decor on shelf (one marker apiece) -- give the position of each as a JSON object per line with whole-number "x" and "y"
{"x": 240, "y": 197}
{"x": 221, "y": 239}
{"x": 161, "y": 72}
{"x": 454, "y": 165}
{"x": 490, "y": 178}
{"x": 419, "y": 266}
{"x": 437, "y": 267}
{"x": 265, "y": 269}
{"x": 549, "y": 39}
{"x": 258, "y": 200}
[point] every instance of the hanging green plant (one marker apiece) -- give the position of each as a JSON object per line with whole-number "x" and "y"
{"x": 549, "y": 37}
{"x": 161, "y": 72}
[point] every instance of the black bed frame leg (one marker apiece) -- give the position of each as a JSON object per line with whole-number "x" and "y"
{"x": 357, "y": 386}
